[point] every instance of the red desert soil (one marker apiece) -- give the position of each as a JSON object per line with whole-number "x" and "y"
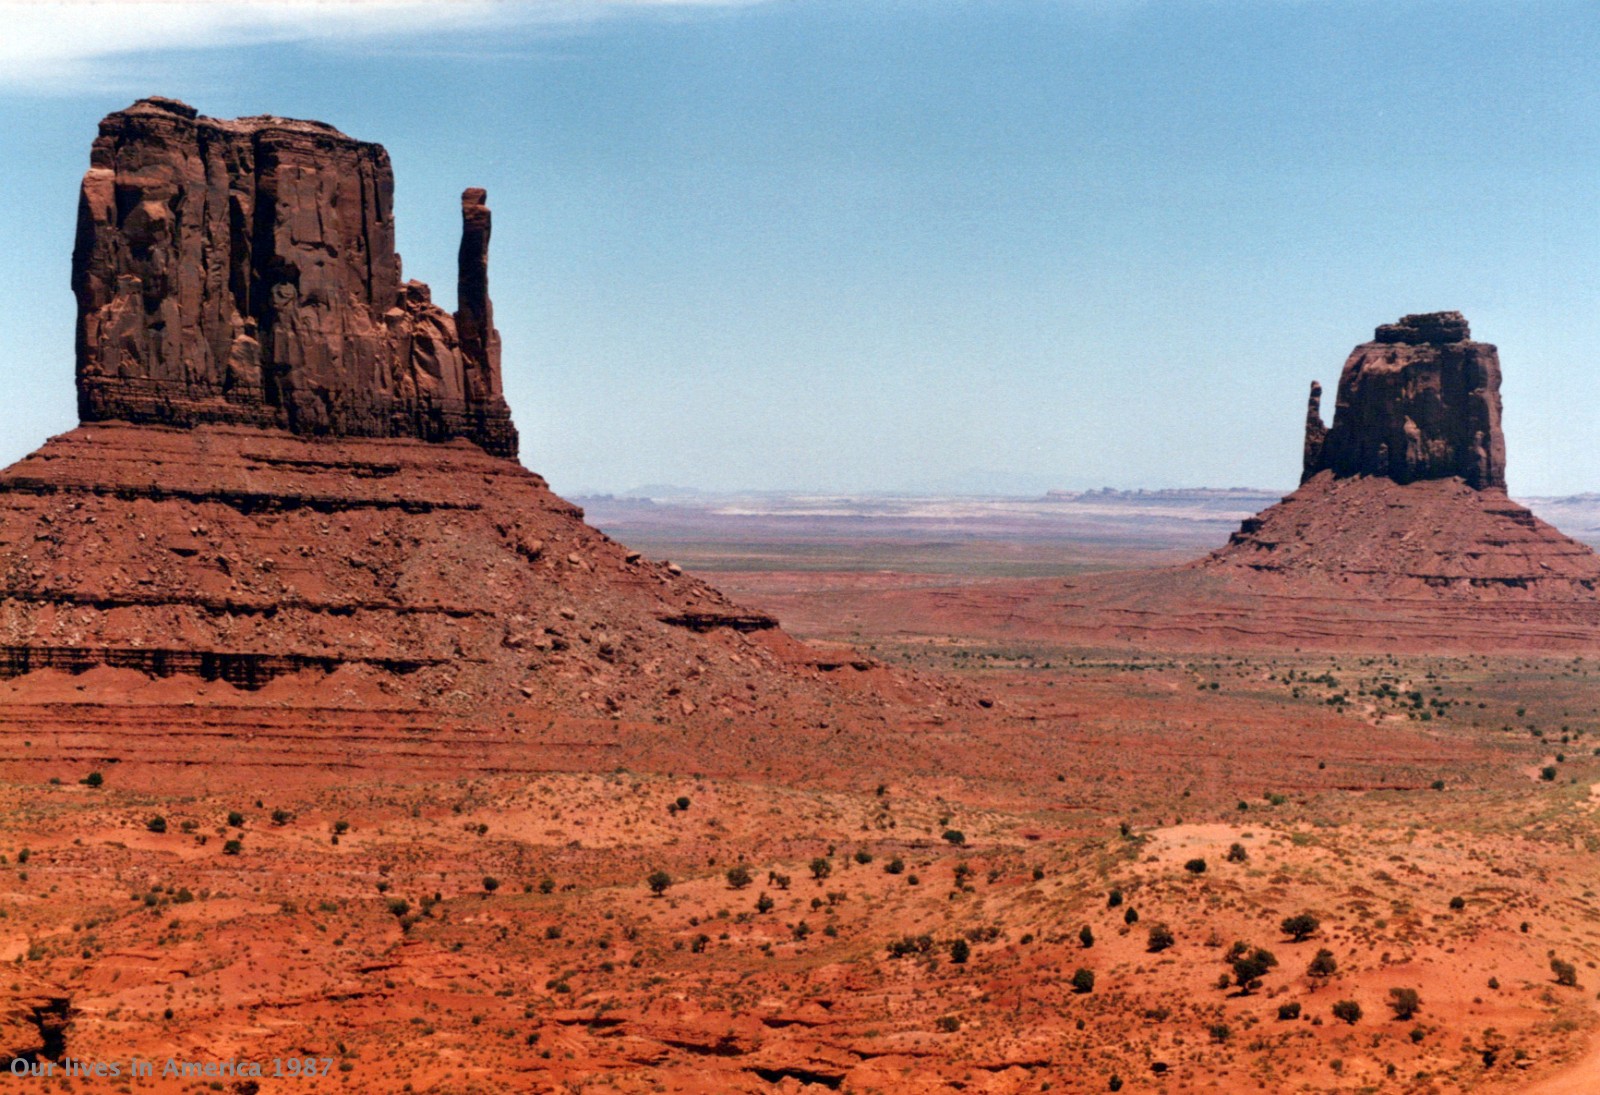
{"x": 1088, "y": 772}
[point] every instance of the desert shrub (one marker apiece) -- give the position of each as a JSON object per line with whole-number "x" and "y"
{"x": 908, "y": 945}
{"x": 658, "y": 881}
{"x": 1220, "y": 1032}
{"x": 739, "y": 877}
{"x": 1458, "y": 903}
{"x": 341, "y": 827}
{"x": 1322, "y": 965}
{"x": 280, "y": 816}
{"x": 1347, "y": 1010}
{"x": 960, "y": 951}
{"x": 955, "y": 836}
{"x": 1548, "y": 773}
{"x": 236, "y": 819}
{"x": 547, "y": 885}
{"x": 398, "y": 906}
{"x": 1086, "y": 936}
{"x": 1195, "y": 866}
{"x": 1160, "y": 938}
{"x": 1404, "y": 1002}
{"x": 93, "y": 779}
{"x": 821, "y": 867}
{"x": 1249, "y": 969}
{"x": 232, "y": 847}
{"x": 895, "y": 866}
{"x": 157, "y": 824}
{"x": 490, "y": 884}
{"x": 1300, "y": 927}
{"x": 1289, "y": 1011}
{"x": 1566, "y": 973}
{"x": 682, "y": 802}
{"x": 1236, "y": 853}
{"x": 1113, "y": 899}
{"x": 863, "y": 856}
{"x": 1083, "y": 980}
{"x": 1131, "y": 916}
{"x": 779, "y": 880}
{"x": 948, "y": 1024}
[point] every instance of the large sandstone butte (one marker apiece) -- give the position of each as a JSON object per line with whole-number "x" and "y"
{"x": 1420, "y": 401}
{"x": 291, "y": 526}
{"x": 245, "y": 272}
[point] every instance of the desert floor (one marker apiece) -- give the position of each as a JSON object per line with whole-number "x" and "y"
{"x": 900, "y": 910}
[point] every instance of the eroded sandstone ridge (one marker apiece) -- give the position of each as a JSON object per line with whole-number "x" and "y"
{"x": 1420, "y": 401}
{"x": 245, "y": 272}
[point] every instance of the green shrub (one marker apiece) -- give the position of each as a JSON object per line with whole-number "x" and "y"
{"x": 1300, "y": 927}
{"x": 1404, "y": 1002}
{"x": 1347, "y": 1010}
{"x": 1322, "y": 965}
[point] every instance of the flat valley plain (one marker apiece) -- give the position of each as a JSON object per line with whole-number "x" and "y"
{"x": 1079, "y": 883}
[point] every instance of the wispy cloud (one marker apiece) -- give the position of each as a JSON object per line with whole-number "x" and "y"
{"x": 79, "y": 45}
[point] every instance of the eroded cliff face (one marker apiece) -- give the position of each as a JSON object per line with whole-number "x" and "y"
{"x": 245, "y": 272}
{"x": 1420, "y": 401}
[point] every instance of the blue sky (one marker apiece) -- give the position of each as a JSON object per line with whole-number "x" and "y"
{"x": 876, "y": 245}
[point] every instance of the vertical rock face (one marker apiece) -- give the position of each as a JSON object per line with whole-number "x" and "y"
{"x": 245, "y": 271}
{"x": 1420, "y": 401}
{"x": 1316, "y": 433}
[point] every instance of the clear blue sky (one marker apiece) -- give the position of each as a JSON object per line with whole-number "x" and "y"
{"x": 866, "y": 245}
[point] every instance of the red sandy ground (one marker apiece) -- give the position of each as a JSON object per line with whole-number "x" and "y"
{"x": 1088, "y": 768}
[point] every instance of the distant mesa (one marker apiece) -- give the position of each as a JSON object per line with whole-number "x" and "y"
{"x": 245, "y": 272}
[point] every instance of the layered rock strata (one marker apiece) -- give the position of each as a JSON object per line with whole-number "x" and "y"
{"x": 245, "y": 272}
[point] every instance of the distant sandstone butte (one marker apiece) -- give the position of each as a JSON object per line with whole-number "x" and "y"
{"x": 1407, "y": 489}
{"x": 1400, "y": 536}
{"x": 245, "y": 272}
{"x": 1420, "y": 401}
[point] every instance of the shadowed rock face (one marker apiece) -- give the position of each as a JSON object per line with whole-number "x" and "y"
{"x": 245, "y": 272}
{"x": 1420, "y": 401}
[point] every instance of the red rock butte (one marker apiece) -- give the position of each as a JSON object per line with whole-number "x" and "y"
{"x": 293, "y": 499}
{"x": 1400, "y": 537}
{"x": 245, "y": 272}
